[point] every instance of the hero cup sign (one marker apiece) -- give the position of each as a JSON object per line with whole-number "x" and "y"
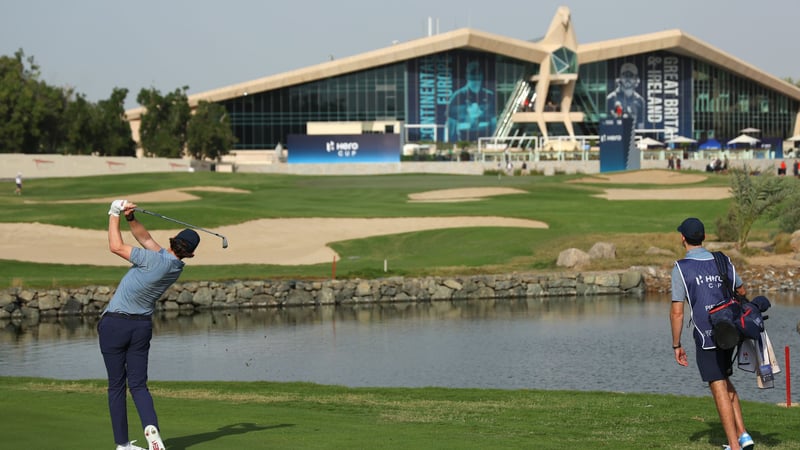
{"x": 337, "y": 149}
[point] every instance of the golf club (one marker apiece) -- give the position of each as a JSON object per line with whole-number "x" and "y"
{"x": 224, "y": 239}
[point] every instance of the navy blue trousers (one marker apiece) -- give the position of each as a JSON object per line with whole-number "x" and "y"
{"x": 125, "y": 345}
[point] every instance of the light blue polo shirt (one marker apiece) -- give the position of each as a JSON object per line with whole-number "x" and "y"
{"x": 152, "y": 273}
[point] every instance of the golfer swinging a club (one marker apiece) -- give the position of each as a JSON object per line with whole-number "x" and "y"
{"x": 125, "y": 327}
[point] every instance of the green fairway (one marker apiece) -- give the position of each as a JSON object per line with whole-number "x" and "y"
{"x": 576, "y": 218}
{"x": 39, "y": 414}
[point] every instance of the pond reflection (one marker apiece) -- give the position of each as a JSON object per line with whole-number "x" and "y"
{"x": 601, "y": 343}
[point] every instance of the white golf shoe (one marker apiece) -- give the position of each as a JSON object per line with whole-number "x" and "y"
{"x": 130, "y": 446}
{"x": 153, "y": 438}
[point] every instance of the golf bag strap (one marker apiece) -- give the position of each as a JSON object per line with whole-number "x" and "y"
{"x": 722, "y": 267}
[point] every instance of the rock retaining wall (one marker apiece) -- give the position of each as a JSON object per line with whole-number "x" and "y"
{"x": 190, "y": 296}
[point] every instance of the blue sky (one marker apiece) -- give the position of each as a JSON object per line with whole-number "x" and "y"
{"x": 96, "y": 45}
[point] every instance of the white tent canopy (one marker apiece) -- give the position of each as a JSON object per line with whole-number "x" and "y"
{"x": 744, "y": 139}
{"x": 749, "y": 130}
{"x": 649, "y": 142}
{"x": 681, "y": 140}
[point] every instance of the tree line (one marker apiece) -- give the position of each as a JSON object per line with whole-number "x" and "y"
{"x": 37, "y": 118}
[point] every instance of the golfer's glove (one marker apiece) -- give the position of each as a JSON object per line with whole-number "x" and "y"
{"x": 116, "y": 207}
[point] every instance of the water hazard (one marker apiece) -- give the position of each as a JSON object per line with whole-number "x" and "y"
{"x": 604, "y": 343}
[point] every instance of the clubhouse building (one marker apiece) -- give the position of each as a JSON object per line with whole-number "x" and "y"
{"x": 471, "y": 86}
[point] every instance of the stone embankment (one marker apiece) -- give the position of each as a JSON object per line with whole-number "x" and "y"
{"x": 757, "y": 279}
{"x": 190, "y": 296}
{"x": 30, "y": 304}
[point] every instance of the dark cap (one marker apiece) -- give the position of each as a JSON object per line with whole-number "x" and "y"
{"x": 191, "y": 238}
{"x": 693, "y": 230}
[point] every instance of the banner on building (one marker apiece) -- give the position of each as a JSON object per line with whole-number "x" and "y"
{"x": 653, "y": 89}
{"x": 451, "y": 97}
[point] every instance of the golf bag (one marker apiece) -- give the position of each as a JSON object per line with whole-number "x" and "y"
{"x": 735, "y": 318}
{"x": 724, "y": 316}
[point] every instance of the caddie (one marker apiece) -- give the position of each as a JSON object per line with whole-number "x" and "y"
{"x": 696, "y": 280}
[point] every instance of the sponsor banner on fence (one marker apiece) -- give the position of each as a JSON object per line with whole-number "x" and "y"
{"x": 348, "y": 148}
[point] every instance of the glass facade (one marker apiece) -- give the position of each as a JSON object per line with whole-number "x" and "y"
{"x": 724, "y": 104}
{"x": 591, "y": 91}
{"x": 563, "y": 60}
{"x": 420, "y": 92}
{"x": 458, "y": 95}
{"x": 263, "y": 120}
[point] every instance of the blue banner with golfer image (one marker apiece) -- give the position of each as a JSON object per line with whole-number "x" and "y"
{"x": 653, "y": 89}
{"x": 451, "y": 97}
{"x": 345, "y": 148}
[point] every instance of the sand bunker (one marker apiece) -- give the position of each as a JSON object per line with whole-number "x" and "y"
{"x": 710, "y": 193}
{"x": 658, "y": 177}
{"x": 645, "y": 177}
{"x": 461, "y": 195}
{"x": 167, "y": 195}
{"x": 265, "y": 241}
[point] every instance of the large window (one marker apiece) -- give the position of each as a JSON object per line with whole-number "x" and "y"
{"x": 590, "y": 96}
{"x": 563, "y": 61}
{"x": 399, "y": 92}
{"x": 725, "y": 103}
{"x": 430, "y": 92}
{"x": 263, "y": 120}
